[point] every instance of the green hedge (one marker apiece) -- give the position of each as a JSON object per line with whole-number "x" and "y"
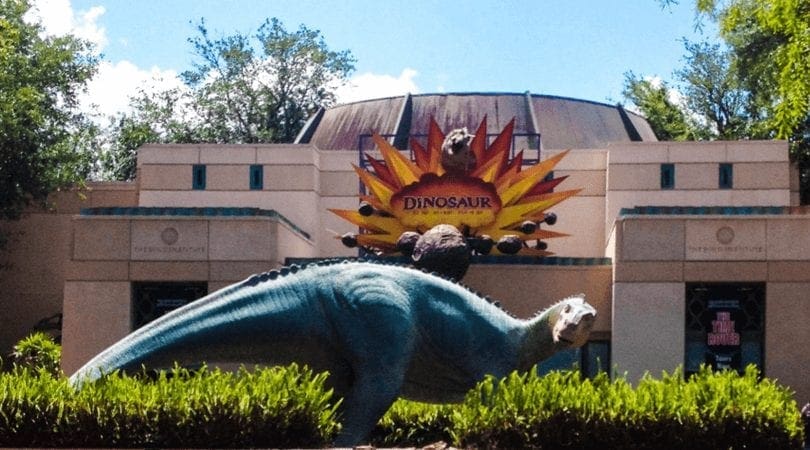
{"x": 38, "y": 351}
{"x": 275, "y": 407}
{"x": 290, "y": 407}
{"x": 413, "y": 424}
{"x": 709, "y": 410}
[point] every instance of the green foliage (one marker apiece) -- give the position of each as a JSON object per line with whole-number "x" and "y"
{"x": 43, "y": 140}
{"x": 564, "y": 410}
{"x": 771, "y": 35}
{"x": 258, "y": 88}
{"x": 709, "y": 410}
{"x": 290, "y": 407}
{"x": 38, "y": 352}
{"x": 278, "y": 407}
{"x": 711, "y": 101}
{"x": 409, "y": 423}
{"x": 768, "y": 42}
{"x": 668, "y": 120}
{"x": 713, "y": 92}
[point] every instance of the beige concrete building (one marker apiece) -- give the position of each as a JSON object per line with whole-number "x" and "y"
{"x": 694, "y": 252}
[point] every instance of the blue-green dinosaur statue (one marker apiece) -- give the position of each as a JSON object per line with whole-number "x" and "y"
{"x": 381, "y": 331}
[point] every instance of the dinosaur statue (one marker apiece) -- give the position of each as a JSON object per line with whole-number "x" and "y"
{"x": 381, "y": 331}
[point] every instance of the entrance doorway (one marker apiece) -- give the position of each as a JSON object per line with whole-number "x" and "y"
{"x": 725, "y": 325}
{"x": 151, "y": 300}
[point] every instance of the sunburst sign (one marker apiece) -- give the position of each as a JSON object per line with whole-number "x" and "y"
{"x": 464, "y": 183}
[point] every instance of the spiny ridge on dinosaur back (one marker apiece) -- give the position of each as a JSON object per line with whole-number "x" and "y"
{"x": 381, "y": 331}
{"x": 295, "y": 268}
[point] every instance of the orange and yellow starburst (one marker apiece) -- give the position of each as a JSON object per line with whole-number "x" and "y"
{"x": 493, "y": 197}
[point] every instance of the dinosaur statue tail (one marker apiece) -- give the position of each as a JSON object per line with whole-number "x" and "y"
{"x": 176, "y": 336}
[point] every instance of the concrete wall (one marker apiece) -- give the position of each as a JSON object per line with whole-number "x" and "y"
{"x": 338, "y": 189}
{"x": 787, "y": 335}
{"x": 657, "y": 255}
{"x": 583, "y": 215}
{"x": 97, "y": 314}
{"x": 762, "y": 175}
{"x": 33, "y": 265}
{"x": 648, "y": 328}
{"x": 300, "y": 182}
{"x": 108, "y": 253}
{"x": 524, "y": 290}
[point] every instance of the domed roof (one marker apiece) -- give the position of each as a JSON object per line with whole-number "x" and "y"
{"x": 561, "y": 122}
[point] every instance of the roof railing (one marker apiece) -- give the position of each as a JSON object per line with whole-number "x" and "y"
{"x": 530, "y": 143}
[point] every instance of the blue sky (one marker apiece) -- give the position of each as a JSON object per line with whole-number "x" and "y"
{"x": 575, "y": 48}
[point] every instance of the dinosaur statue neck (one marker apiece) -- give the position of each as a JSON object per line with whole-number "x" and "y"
{"x": 538, "y": 342}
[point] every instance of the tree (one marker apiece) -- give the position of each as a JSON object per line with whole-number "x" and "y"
{"x": 156, "y": 118}
{"x": 237, "y": 91}
{"x": 43, "y": 139}
{"x": 712, "y": 105}
{"x": 713, "y": 92}
{"x": 770, "y": 47}
{"x": 772, "y": 36}
{"x": 669, "y": 121}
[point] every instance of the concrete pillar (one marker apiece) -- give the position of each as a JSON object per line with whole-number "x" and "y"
{"x": 787, "y": 312}
{"x": 96, "y": 315}
{"x": 648, "y": 328}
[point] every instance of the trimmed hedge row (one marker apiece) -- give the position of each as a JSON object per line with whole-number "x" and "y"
{"x": 708, "y": 410}
{"x": 290, "y": 407}
{"x": 274, "y": 407}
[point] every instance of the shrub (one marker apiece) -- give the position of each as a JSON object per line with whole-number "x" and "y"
{"x": 289, "y": 407}
{"x": 413, "y": 424}
{"x": 39, "y": 352}
{"x": 276, "y": 407}
{"x": 708, "y": 410}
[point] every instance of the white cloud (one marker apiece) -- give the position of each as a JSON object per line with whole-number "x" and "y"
{"x": 371, "y": 85}
{"x": 58, "y": 18}
{"x": 109, "y": 91}
{"x": 673, "y": 95}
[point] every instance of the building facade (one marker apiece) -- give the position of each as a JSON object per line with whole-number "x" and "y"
{"x": 692, "y": 253}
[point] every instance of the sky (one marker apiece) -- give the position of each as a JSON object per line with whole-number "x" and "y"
{"x": 571, "y": 48}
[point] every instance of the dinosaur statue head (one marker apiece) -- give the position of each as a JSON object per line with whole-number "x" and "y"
{"x": 566, "y": 324}
{"x": 572, "y": 322}
{"x": 457, "y": 156}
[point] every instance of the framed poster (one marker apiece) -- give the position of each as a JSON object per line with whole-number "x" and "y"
{"x": 724, "y": 325}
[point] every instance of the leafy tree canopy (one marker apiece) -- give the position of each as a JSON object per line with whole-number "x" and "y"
{"x": 707, "y": 103}
{"x": 771, "y": 38}
{"x": 258, "y": 88}
{"x": 769, "y": 55}
{"x": 668, "y": 120}
{"x": 43, "y": 139}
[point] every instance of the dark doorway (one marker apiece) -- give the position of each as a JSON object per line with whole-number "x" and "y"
{"x": 590, "y": 359}
{"x": 725, "y": 325}
{"x": 151, "y": 300}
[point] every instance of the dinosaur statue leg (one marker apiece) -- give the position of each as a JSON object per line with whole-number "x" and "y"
{"x": 383, "y": 342}
{"x": 369, "y": 398}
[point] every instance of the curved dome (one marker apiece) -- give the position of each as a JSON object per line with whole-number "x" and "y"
{"x": 561, "y": 122}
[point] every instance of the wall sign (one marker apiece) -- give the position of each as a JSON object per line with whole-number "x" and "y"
{"x": 169, "y": 240}
{"x": 713, "y": 240}
{"x": 475, "y": 187}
